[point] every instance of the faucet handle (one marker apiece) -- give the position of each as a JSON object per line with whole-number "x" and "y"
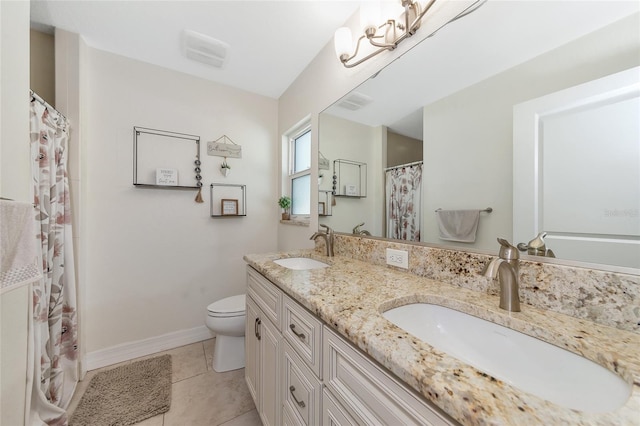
{"x": 507, "y": 251}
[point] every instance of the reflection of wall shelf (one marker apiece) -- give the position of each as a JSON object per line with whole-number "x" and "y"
{"x": 158, "y": 149}
{"x": 349, "y": 178}
{"x": 324, "y": 203}
{"x": 228, "y": 192}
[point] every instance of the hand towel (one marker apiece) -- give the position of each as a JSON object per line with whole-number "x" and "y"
{"x": 458, "y": 225}
{"x": 18, "y": 245}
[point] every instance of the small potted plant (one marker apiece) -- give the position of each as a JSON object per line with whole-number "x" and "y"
{"x": 285, "y": 203}
{"x": 225, "y": 168}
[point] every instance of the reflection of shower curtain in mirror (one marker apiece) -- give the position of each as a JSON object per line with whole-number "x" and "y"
{"x": 403, "y": 190}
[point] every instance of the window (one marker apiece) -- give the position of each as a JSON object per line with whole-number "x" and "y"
{"x": 300, "y": 172}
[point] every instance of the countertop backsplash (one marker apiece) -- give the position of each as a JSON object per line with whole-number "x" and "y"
{"x": 603, "y": 297}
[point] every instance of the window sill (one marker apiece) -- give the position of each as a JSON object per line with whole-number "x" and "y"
{"x": 296, "y": 222}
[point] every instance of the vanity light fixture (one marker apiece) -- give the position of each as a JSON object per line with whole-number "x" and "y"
{"x": 388, "y": 35}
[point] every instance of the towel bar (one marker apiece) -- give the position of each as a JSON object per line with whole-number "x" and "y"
{"x": 488, "y": 210}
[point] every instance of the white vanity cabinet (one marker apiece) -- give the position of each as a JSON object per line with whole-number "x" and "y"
{"x": 263, "y": 343}
{"x": 368, "y": 393}
{"x": 301, "y": 372}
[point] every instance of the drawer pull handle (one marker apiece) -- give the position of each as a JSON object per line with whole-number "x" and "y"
{"x": 301, "y": 336}
{"x": 300, "y": 403}
{"x": 258, "y": 322}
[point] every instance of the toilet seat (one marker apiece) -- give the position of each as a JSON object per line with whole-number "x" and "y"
{"x": 233, "y": 306}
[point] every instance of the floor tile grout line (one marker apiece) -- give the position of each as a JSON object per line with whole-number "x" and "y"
{"x": 204, "y": 354}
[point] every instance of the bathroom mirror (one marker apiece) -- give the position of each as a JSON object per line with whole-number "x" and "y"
{"x": 449, "y": 102}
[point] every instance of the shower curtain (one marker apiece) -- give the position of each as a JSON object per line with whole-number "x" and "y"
{"x": 54, "y": 337}
{"x": 403, "y": 190}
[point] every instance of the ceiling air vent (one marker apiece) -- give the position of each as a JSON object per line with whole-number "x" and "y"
{"x": 355, "y": 101}
{"x": 205, "y": 49}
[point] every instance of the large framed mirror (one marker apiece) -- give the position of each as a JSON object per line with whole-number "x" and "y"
{"x": 447, "y": 107}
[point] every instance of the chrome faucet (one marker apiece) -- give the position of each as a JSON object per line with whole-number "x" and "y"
{"x": 358, "y": 231}
{"x": 328, "y": 238}
{"x": 506, "y": 267}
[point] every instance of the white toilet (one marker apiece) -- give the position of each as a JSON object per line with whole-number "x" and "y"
{"x": 226, "y": 318}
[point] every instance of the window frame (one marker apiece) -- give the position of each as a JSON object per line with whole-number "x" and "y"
{"x": 291, "y": 174}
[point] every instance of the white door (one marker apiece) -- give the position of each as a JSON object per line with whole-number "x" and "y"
{"x": 576, "y": 170}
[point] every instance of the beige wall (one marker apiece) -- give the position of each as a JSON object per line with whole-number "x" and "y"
{"x": 355, "y": 142}
{"x": 42, "y": 68}
{"x": 468, "y": 136}
{"x": 402, "y": 149}
{"x": 155, "y": 258}
{"x": 71, "y": 87}
{"x": 15, "y": 183}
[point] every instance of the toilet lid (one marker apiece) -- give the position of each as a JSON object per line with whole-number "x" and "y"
{"x": 228, "y": 306}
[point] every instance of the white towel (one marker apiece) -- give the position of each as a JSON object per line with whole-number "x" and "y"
{"x": 18, "y": 245}
{"x": 458, "y": 225}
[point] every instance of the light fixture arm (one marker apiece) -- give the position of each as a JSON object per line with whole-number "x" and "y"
{"x": 346, "y": 58}
{"x": 408, "y": 25}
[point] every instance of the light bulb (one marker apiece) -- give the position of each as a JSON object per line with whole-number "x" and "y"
{"x": 370, "y": 14}
{"x": 343, "y": 42}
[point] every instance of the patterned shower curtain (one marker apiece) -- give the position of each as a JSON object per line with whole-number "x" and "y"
{"x": 403, "y": 190}
{"x": 55, "y": 337}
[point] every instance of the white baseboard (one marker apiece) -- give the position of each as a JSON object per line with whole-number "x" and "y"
{"x": 131, "y": 350}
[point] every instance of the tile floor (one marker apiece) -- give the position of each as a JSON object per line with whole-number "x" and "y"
{"x": 199, "y": 395}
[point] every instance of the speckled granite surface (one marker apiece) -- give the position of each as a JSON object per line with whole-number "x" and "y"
{"x": 350, "y": 295}
{"x": 607, "y": 298}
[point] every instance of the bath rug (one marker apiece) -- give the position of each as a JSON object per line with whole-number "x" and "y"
{"x": 127, "y": 394}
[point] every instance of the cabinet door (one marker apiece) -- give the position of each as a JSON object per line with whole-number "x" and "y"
{"x": 252, "y": 351}
{"x": 270, "y": 342}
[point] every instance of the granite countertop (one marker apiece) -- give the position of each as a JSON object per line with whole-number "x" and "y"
{"x": 350, "y": 296}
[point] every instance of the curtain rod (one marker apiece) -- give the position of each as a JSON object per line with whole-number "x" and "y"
{"x": 37, "y": 97}
{"x": 415, "y": 163}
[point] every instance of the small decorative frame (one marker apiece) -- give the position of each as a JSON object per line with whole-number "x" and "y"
{"x": 233, "y": 194}
{"x": 321, "y": 209}
{"x": 229, "y": 207}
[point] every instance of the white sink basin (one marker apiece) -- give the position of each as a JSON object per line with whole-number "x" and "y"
{"x": 300, "y": 263}
{"x": 527, "y": 363}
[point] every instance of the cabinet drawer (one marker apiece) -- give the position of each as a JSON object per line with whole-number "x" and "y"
{"x": 304, "y": 332}
{"x": 267, "y": 296}
{"x": 372, "y": 396}
{"x": 333, "y": 414}
{"x": 289, "y": 418}
{"x": 301, "y": 389}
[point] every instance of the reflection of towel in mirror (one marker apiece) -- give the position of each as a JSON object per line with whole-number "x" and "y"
{"x": 458, "y": 225}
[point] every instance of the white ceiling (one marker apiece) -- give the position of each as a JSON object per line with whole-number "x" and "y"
{"x": 271, "y": 42}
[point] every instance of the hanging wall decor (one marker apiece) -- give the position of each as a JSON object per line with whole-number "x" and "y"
{"x": 199, "y": 179}
{"x": 323, "y": 162}
{"x": 224, "y": 147}
{"x": 227, "y": 148}
{"x": 160, "y": 160}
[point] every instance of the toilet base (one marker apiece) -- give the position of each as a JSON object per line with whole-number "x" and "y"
{"x": 228, "y": 353}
